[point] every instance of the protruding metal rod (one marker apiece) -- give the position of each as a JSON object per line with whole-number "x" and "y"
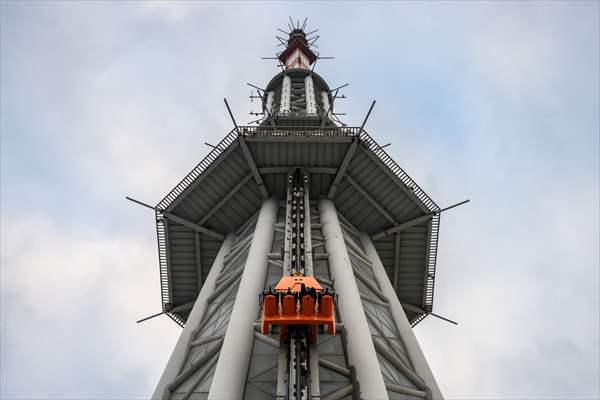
{"x": 339, "y": 87}
{"x": 367, "y": 117}
{"x": 140, "y": 203}
{"x": 454, "y": 205}
{"x": 384, "y": 146}
{"x": 150, "y": 317}
{"x": 213, "y": 146}
{"x": 178, "y": 308}
{"x": 445, "y": 319}
{"x": 413, "y": 222}
{"x": 255, "y": 87}
{"x": 231, "y": 115}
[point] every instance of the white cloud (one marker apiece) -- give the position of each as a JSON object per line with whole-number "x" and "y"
{"x": 489, "y": 101}
{"x": 69, "y": 306}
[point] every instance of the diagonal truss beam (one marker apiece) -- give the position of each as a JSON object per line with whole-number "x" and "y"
{"x": 193, "y": 226}
{"x": 403, "y": 226}
{"x": 253, "y": 169}
{"x": 371, "y": 200}
{"x": 342, "y": 171}
{"x": 413, "y": 222}
{"x": 225, "y": 199}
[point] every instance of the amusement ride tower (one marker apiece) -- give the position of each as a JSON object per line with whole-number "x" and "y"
{"x": 297, "y": 257}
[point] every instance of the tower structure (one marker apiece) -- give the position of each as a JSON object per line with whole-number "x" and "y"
{"x": 297, "y": 257}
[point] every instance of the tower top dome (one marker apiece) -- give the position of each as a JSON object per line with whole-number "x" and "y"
{"x": 297, "y": 96}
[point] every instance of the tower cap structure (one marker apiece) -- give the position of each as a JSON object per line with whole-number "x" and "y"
{"x": 297, "y": 255}
{"x": 344, "y": 164}
{"x": 298, "y": 53}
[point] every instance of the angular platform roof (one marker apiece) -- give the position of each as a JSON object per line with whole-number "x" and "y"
{"x": 371, "y": 192}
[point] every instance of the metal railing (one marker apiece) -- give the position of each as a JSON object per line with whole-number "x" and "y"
{"x": 367, "y": 140}
{"x": 165, "y": 290}
{"x": 398, "y": 171}
{"x": 431, "y": 262}
{"x": 301, "y": 131}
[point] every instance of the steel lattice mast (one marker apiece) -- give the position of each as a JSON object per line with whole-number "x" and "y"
{"x": 297, "y": 256}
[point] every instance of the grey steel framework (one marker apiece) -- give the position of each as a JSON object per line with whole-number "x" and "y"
{"x": 224, "y": 236}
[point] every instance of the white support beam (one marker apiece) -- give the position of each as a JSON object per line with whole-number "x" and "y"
{"x": 396, "y": 261}
{"x": 181, "y": 348}
{"x": 193, "y": 226}
{"x": 371, "y": 200}
{"x": 342, "y": 170}
{"x": 415, "y": 353}
{"x": 230, "y": 375}
{"x": 335, "y": 367}
{"x": 403, "y": 226}
{"x": 253, "y": 169}
{"x": 225, "y": 199}
{"x": 198, "y": 260}
{"x": 392, "y": 387}
{"x": 361, "y": 351}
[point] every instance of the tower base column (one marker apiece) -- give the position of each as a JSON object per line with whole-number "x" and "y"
{"x": 408, "y": 336}
{"x": 361, "y": 351}
{"x": 230, "y": 374}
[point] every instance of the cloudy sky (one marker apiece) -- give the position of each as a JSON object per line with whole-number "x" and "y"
{"x": 497, "y": 102}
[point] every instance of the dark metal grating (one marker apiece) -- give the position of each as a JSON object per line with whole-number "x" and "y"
{"x": 162, "y": 259}
{"x": 165, "y": 292}
{"x": 431, "y": 262}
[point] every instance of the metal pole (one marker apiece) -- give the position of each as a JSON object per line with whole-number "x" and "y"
{"x": 180, "y": 351}
{"x": 361, "y": 352}
{"x": 229, "y": 379}
{"x": 408, "y": 337}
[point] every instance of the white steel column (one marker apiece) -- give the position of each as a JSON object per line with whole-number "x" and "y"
{"x": 286, "y": 94}
{"x": 309, "y": 95}
{"x": 179, "y": 353}
{"x": 230, "y": 374}
{"x": 361, "y": 351}
{"x": 269, "y": 105}
{"x": 408, "y": 336}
